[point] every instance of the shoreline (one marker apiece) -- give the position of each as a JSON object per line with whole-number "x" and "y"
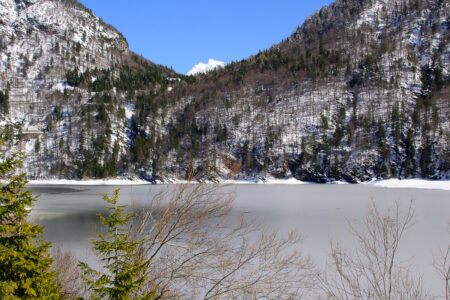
{"x": 443, "y": 184}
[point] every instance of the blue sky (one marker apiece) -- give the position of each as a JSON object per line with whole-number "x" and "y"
{"x": 180, "y": 33}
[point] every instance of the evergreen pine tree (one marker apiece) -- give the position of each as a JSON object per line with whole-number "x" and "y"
{"x": 24, "y": 259}
{"x": 396, "y": 124}
{"x": 383, "y": 150}
{"x": 426, "y": 164}
{"x": 410, "y": 150}
{"x": 125, "y": 272}
{"x": 4, "y": 101}
{"x": 336, "y": 169}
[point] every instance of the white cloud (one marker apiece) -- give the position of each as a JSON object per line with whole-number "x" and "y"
{"x": 204, "y": 68}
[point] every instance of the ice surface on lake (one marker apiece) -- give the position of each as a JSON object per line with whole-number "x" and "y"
{"x": 319, "y": 212}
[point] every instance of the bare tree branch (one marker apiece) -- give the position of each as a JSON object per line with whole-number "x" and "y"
{"x": 371, "y": 271}
{"x": 441, "y": 263}
{"x": 200, "y": 251}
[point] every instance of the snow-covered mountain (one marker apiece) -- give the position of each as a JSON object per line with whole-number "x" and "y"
{"x": 42, "y": 39}
{"x": 202, "y": 68}
{"x": 56, "y": 56}
{"x": 359, "y": 91}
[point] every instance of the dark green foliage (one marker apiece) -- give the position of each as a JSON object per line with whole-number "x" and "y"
{"x": 131, "y": 79}
{"x": 147, "y": 106}
{"x": 72, "y": 77}
{"x": 410, "y": 163}
{"x": 339, "y": 131}
{"x": 24, "y": 258}
{"x": 57, "y": 113}
{"x": 383, "y": 151}
{"x": 89, "y": 166}
{"x": 427, "y": 80}
{"x": 116, "y": 150}
{"x": 396, "y": 124}
{"x": 336, "y": 168}
{"x": 324, "y": 121}
{"x": 438, "y": 77}
{"x": 77, "y": 78}
{"x": 140, "y": 150}
{"x": 103, "y": 82}
{"x": 221, "y": 132}
{"x": 77, "y": 47}
{"x": 102, "y": 115}
{"x": 125, "y": 270}
{"x": 37, "y": 146}
{"x": 4, "y": 101}
{"x": 248, "y": 159}
{"x": 426, "y": 164}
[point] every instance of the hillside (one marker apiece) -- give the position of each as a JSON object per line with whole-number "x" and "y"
{"x": 56, "y": 58}
{"x": 359, "y": 91}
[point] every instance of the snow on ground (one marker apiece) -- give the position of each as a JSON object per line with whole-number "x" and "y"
{"x": 386, "y": 183}
{"x": 61, "y": 86}
{"x": 413, "y": 183}
{"x": 272, "y": 180}
{"x": 89, "y": 182}
{"x": 369, "y": 16}
{"x": 129, "y": 111}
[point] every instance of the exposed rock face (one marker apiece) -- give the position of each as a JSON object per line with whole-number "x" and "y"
{"x": 42, "y": 39}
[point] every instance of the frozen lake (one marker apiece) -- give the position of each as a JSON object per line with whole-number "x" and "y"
{"x": 319, "y": 212}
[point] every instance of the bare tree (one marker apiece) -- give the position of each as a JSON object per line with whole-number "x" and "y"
{"x": 371, "y": 271}
{"x": 197, "y": 253}
{"x": 68, "y": 275}
{"x": 442, "y": 265}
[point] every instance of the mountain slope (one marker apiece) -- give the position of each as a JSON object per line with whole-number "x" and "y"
{"x": 56, "y": 57}
{"x": 42, "y": 39}
{"x": 359, "y": 91}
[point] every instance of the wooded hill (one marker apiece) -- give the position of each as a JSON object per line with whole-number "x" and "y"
{"x": 359, "y": 91}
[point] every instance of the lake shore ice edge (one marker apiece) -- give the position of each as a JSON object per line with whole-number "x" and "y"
{"x": 443, "y": 184}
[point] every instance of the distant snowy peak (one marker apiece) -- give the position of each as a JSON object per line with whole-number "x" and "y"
{"x": 204, "y": 68}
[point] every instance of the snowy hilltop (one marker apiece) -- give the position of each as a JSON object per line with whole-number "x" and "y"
{"x": 202, "y": 68}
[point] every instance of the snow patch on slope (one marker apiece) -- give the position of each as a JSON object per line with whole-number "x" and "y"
{"x": 204, "y": 68}
{"x": 371, "y": 14}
